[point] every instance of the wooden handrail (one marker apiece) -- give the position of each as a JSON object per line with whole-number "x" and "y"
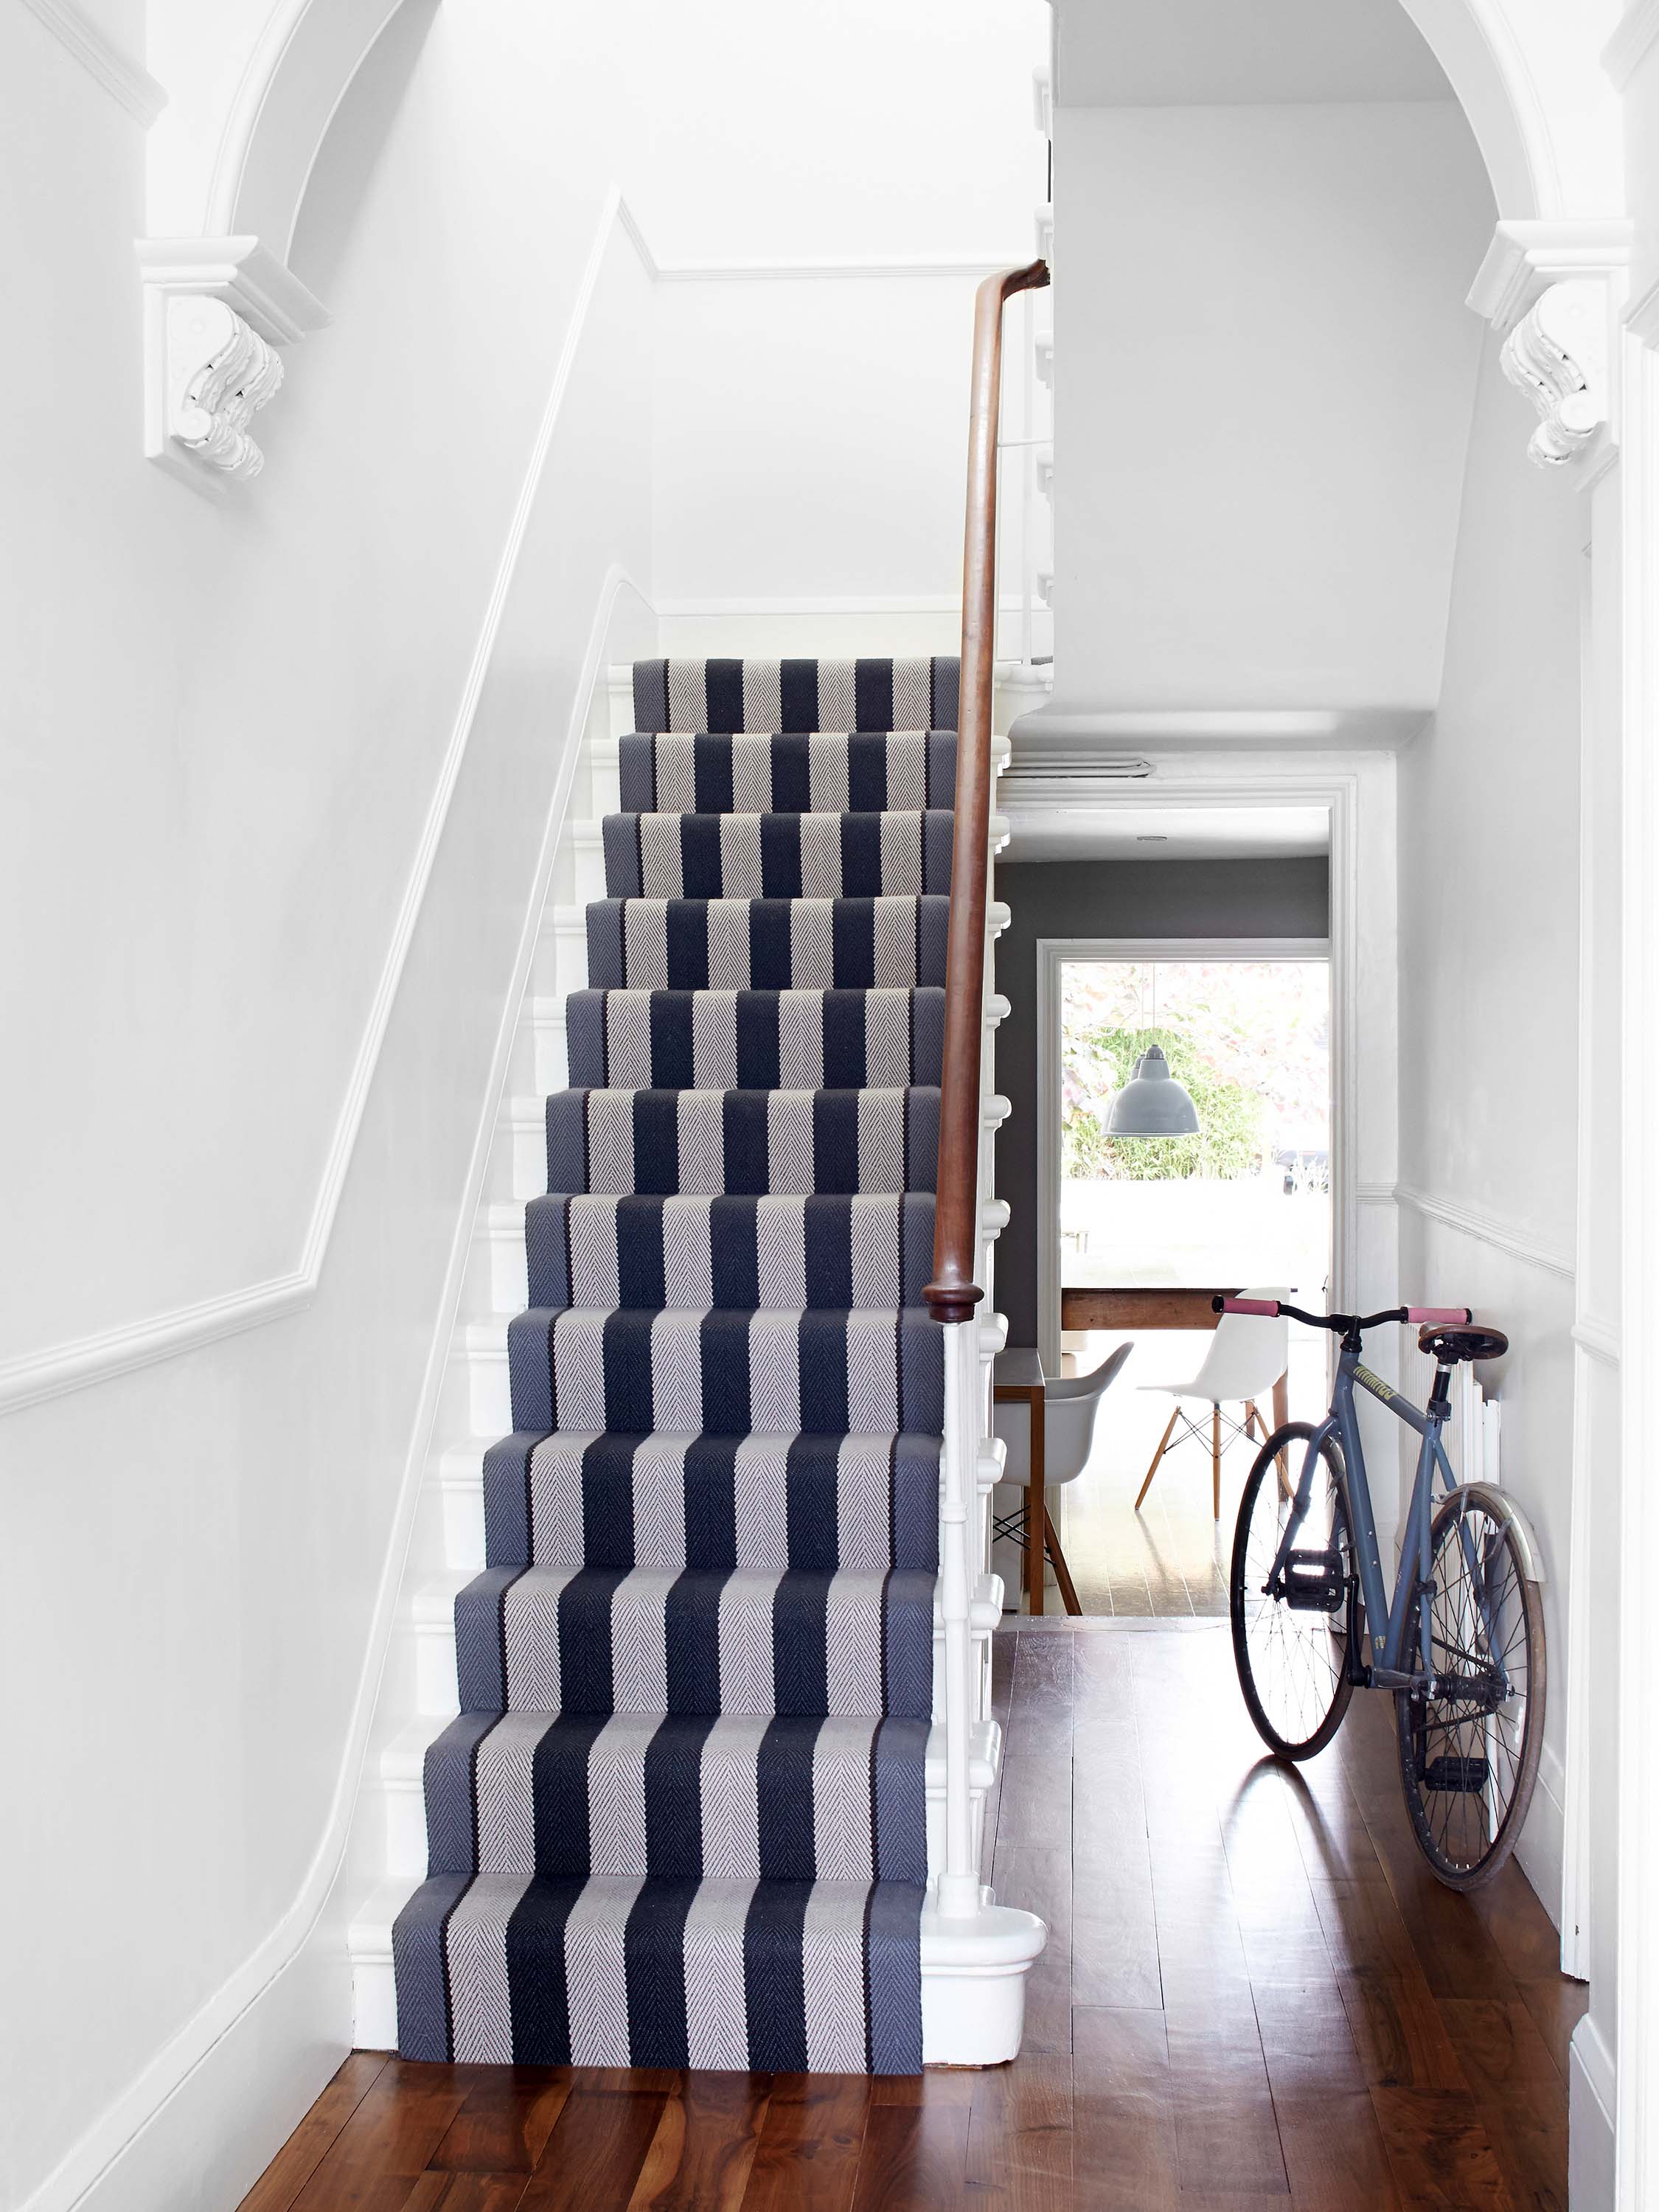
{"x": 953, "y": 1294}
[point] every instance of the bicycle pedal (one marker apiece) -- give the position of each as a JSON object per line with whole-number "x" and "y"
{"x": 1315, "y": 1583}
{"x": 1449, "y": 1773}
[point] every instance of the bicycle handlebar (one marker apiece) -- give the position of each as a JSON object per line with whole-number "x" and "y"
{"x": 1432, "y": 1316}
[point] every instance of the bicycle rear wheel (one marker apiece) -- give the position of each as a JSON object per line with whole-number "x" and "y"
{"x": 1468, "y": 1755}
{"x": 1292, "y": 1658}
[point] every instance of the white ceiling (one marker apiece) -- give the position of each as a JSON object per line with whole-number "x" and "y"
{"x": 1204, "y": 53}
{"x": 1175, "y": 832}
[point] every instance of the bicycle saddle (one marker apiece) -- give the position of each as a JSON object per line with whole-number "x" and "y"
{"x": 1451, "y": 1345}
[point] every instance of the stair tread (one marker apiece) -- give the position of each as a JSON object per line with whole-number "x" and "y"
{"x": 778, "y": 855}
{"x": 600, "y": 1640}
{"x": 889, "y": 942}
{"x": 714, "y": 772}
{"x": 767, "y": 1976}
{"x": 761, "y": 1500}
{"x": 698, "y": 1141}
{"x": 765, "y": 696}
{"x": 530, "y": 1103}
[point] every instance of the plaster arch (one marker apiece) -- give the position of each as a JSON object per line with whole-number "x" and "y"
{"x": 1529, "y": 75}
{"x": 252, "y": 88}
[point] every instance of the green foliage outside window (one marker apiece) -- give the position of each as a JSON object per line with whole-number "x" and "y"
{"x": 1232, "y": 1138}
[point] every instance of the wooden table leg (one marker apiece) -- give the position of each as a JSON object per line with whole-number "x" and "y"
{"x": 1037, "y": 1513}
{"x": 1062, "y": 1572}
{"x": 1215, "y": 1455}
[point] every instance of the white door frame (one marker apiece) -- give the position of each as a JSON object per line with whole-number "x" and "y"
{"x": 1052, "y": 954}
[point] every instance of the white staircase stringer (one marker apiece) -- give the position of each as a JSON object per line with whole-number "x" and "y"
{"x": 446, "y": 1542}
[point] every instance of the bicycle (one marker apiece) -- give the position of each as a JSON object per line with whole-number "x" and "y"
{"x": 1461, "y": 1646}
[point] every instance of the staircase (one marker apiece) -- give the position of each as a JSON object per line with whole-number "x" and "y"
{"x": 692, "y": 1795}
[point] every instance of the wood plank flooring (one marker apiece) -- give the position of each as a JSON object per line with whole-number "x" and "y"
{"x": 1254, "y": 1999}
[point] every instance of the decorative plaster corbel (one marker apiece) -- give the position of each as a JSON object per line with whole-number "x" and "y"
{"x": 220, "y": 374}
{"x": 214, "y": 308}
{"x": 1557, "y": 354}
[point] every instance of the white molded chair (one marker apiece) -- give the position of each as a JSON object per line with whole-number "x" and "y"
{"x": 1071, "y": 1407}
{"x": 1248, "y": 1354}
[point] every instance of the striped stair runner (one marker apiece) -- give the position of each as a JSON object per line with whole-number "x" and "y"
{"x": 680, "y": 1819}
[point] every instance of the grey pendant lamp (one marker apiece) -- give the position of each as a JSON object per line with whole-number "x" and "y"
{"x": 1152, "y": 1103}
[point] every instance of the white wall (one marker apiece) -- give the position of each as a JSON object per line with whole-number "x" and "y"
{"x": 812, "y": 427}
{"x": 861, "y": 130}
{"x": 832, "y": 397}
{"x": 1489, "y": 923}
{"x": 231, "y": 724}
{"x": 1263, "y": 373}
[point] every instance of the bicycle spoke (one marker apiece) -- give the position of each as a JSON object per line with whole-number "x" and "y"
{"x": 1295, "y": 1658}
{"x": 1479, "y": 1628}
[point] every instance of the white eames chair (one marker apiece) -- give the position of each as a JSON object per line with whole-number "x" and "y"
{"x": 1248, "y": 1354}
{"x": 1071, "y": 1407}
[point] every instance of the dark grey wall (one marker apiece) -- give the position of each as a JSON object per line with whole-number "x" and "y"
{"x": 1112, "y": 898}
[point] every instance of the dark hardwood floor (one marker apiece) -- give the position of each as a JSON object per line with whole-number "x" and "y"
{"x": 1253, "y": 1993}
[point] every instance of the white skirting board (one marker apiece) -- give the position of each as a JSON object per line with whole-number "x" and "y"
{"x": 1591, "y": 2156}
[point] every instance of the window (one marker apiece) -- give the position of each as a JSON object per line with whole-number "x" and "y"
{"x": 1248, "y": 1200}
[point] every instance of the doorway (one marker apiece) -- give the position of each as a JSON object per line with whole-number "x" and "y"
{"x": 1141, "y": 1232}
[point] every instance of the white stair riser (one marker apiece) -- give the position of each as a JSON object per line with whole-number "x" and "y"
{"x": 603, "y": 773}
{"x": 491, "y": 1394}
{"x": 549, "y": 1055}
{"x": 561, "y": 957}
{"x": 587, "y": 859}
{"x": 502, "y": 1230}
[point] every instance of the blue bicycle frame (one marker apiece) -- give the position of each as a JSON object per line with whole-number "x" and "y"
{"x": 1341, "y": 1424}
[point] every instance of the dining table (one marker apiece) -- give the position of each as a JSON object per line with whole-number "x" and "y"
{"x": 1018, "y": 1378}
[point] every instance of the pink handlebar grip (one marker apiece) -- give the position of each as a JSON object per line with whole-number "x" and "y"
{"x": 1269, "y": 1306}
{"x": 1440, "y": 1316}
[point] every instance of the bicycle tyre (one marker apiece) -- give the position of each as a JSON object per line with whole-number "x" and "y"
{"x": 1284, "y": 1656}
{"x": 1458, "y": 1737}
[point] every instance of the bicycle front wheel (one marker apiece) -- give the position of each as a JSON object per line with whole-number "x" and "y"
{"x": 1293, "y": 1657}
{"x": 1469, "y": 1746}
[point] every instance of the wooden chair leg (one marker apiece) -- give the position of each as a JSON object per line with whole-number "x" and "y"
{"x": 1157, "y": 1456}
{"x": 1253, "y": 1420}
{"x": 1215, "y": 1455}
{"x": 1062, "y": 1572}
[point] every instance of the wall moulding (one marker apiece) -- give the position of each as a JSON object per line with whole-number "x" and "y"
{"x": 1627, "y": 50}
{"x": 87, "y": 1362}
{"x": 1525, "y": 257}
{"x": 126, "y": 82}
{"x": 1515, "y": 1237}
{"x": 215, "y": 311}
